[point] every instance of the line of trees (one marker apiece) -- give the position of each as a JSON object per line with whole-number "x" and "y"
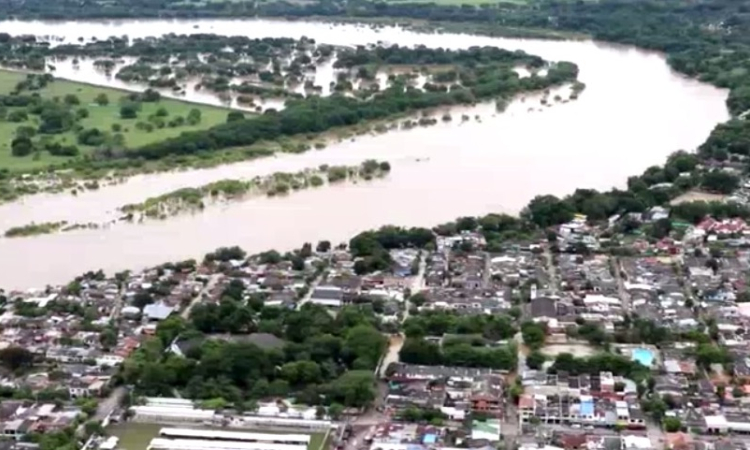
{"x": 458, "y": 352}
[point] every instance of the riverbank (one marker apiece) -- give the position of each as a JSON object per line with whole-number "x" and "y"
{"x": 94, "y": 175}
{"x": 278, "y": 184}
{"x": 632, "y": 115}
{"x": 196, "y": 199}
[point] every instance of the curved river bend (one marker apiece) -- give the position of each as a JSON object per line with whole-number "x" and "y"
{"x": 633, "y": 113}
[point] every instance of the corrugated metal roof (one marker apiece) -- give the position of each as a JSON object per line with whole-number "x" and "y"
{"x": 234, "y": 435}
{"x": 198, "y": 444}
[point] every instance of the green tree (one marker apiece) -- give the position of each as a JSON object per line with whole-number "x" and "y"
{"x": 14, "y": 358}
{"x": 21, "y": 146}
{"x": 71, "y": 100}
{"x": 534, "y": 334}
{"x": 355, "y": 388}
{"x": 102, "y": 99}
{"x": 108, "y": 337}
{"x": 235, "y": 116}
{"x": 548, "y": 210}
{"x": 418, "y": 299}
{"x": 128, "y": 111}
{"x": 194, "y": 117}
{"x": 672, "y": 424}
{"x": 720, "y": 181}
{"x": 335, "y": 411}
{"x": 25, "y": 132}
{"x": 94, "y": 427}
{"x": 535, "y": 360}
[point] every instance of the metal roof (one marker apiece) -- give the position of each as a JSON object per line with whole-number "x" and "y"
{"x": 234, "y": 435}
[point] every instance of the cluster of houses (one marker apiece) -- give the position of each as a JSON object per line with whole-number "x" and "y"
{"x": 689, "y": 289}
{"x": 691, "y": 284}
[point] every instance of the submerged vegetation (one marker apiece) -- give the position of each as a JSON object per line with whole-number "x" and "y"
{"x": 705, "y": 40}
{"x": 34, "y": 229}
{"x": 195, "y": 199}
{"x": 280, "y": 183}
{"x": 81, "y": 132}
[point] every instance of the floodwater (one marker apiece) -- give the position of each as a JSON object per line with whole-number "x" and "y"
{"x": 633, "y": 113}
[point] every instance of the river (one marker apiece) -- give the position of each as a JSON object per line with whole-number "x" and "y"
{"x": 634, "y": 112}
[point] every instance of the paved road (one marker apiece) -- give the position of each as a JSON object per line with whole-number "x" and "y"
{"x": 199, "y": 297}
{"x": 655, "y": 434}
{"x": 552, "y": 270}
{"x": 110, "y": 403}
{"x": 417, "y": 284}
{"x": 623, "y": 293}
{"x": 118, "y": 303}
{"x": 310, "y": 291}
{"x": 396, "y": 342}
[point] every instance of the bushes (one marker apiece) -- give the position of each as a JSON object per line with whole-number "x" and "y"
{"x": 102, "y": 99}
{"x": 193, "y": 117}
{"x": 92, "y": 137}
{"x": 235, "y": 116}
{"x": 21, "y": 146}
{"x": 18, "y": 115}
{"x": 55, "y": 119}
{"x": 56, "y": 149}
{"x": 129, "y": 111}
{"x": 420, "y": 351}
{"x": 71, "y": 100}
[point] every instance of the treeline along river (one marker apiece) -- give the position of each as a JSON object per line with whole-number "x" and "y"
{"x": 634, "y": 112}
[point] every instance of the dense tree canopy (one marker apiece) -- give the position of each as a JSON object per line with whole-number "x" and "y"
{"x": 458, "y": 352}
{"x": 438, "y": 323}
{"x": 323, "y": 360}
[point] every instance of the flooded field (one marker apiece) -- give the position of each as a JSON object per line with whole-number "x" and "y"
{"x": 634, "y": 112}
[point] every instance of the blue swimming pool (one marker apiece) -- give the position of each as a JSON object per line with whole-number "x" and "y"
{"x": 643, "y": 356}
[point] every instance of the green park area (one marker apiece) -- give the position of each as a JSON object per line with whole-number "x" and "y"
{"x": 46, "y": 121}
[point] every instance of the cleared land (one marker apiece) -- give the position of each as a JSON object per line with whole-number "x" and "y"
{"x": 579, "y": 350}
{"x": 697, "y": 196}
{"x": 101, "y": 117}
{"x": 137, "y": 436}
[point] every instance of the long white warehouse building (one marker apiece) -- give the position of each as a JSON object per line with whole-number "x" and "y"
{"x": 199, "y": 444}
{"x": 218, "y": 435}
{"x": 171, "y": 413}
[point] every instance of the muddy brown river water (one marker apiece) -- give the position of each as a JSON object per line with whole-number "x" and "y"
{"x": 634, "y": 112}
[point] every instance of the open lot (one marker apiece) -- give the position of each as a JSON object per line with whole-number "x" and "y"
{"x": 137, "y": 436}
{"x": 576, "y": 349}
{"x": 100, "y": 117}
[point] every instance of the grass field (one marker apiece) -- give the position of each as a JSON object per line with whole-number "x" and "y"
{"x": 137, "y": 436}
{"x": 101, "y": 117}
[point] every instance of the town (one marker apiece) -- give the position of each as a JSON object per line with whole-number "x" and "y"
{"x": 630, "y": 333}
